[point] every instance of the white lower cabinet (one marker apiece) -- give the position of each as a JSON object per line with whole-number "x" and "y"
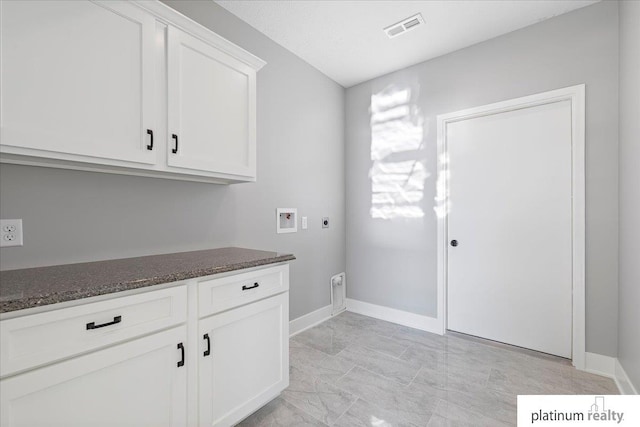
{"x": 138, "y": 383}
{"x": 137, "y": 361}
{"x": 245, "y": 362}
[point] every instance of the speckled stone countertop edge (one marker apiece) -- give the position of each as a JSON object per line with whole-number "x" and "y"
{"x": 81, "y": 293}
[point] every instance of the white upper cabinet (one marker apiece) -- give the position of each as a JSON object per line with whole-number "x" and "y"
{"x": 77, "y": 78}
{"x": 125, "y": 87}
{"x": 211, "y": 108}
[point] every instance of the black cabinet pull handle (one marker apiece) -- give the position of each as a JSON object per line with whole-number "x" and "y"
{"x": 150, "y": 133}
{"x": 208, "y": 350}
{"x": 181, "y": 348}
{"x": 174, "y": 150}
{"x": 246, "y": 288}
{"x": 454, "y": 243}
{"x": 92, "y": 325}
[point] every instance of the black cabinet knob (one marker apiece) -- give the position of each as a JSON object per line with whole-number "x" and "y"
{"x": 454, "y": 243}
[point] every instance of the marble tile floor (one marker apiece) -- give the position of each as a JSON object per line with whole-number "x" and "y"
{"x": 354, "y": 370}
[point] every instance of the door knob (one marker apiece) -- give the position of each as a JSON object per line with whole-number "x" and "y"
{"x": 454, "y": 243}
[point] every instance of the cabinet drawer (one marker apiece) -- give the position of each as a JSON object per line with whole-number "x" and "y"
{"x": 216, "y": 295}
{"x": 38, "y": 339}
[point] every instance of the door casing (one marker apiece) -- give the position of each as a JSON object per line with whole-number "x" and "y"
{"x": 576, "y": 95}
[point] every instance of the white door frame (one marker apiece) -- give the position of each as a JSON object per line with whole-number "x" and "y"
{"x": 576, "y": 95}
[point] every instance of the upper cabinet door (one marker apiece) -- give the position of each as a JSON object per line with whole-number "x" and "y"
{"x": 211, "y": 98}
{"x": 77, "y": 78}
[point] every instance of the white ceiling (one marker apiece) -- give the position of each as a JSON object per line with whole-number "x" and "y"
{"x": 344, "y": 39}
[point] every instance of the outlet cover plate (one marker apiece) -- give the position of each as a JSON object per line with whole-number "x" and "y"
{"x": 10, "y": 232}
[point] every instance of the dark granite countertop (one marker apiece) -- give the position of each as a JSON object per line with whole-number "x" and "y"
{"x": 35, "y": 287}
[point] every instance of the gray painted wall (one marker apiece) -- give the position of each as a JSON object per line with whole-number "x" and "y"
{"x": 72, "y": 216}
{"x": 392, "y": 262}
{"x": 629, "y": 314}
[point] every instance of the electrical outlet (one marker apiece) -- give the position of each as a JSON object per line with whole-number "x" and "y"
{"x": 304, "y": 223}
{"x": 11, "y": 232}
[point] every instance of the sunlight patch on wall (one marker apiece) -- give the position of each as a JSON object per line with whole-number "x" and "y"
{"x": 442, "y": 203}
{"x": 397, "y": 174}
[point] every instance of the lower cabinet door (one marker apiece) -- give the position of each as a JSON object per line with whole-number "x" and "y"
{"x": 138, "y": 383}
{"x": 244, "y": 360}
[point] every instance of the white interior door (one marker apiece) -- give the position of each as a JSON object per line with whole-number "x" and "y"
{"x": 77, "y": 78}
{"x": 509, "y": 278}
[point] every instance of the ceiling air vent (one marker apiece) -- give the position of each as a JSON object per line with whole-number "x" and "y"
{"x": 403, "y": 26}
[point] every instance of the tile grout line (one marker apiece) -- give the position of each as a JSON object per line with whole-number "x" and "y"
{"x": 337, "y": 386}
{"x": 344, "y": 375}
{"x": 383, "y": 376}
{"x": 331, "y": 383}
{"x": 347, "y": 410}
{"x": 390, "y": 356}
{"x": 405, "y": 350}
{"x": 303, "y": 410}
{"x": 381, "y": 352}
{"x": 416, "y": 375}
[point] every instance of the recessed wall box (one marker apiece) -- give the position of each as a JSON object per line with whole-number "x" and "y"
{"x": 286, "y": 220}
{"x": 338, "y": 294}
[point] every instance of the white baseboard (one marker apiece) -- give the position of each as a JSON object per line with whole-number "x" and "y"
{"x": 309, "y": 320}
{"x": 622, "y": 380}
{"x": 405, "y": 318}
{"x": 600, "y": 365}
{"x": 608, "y": 366}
